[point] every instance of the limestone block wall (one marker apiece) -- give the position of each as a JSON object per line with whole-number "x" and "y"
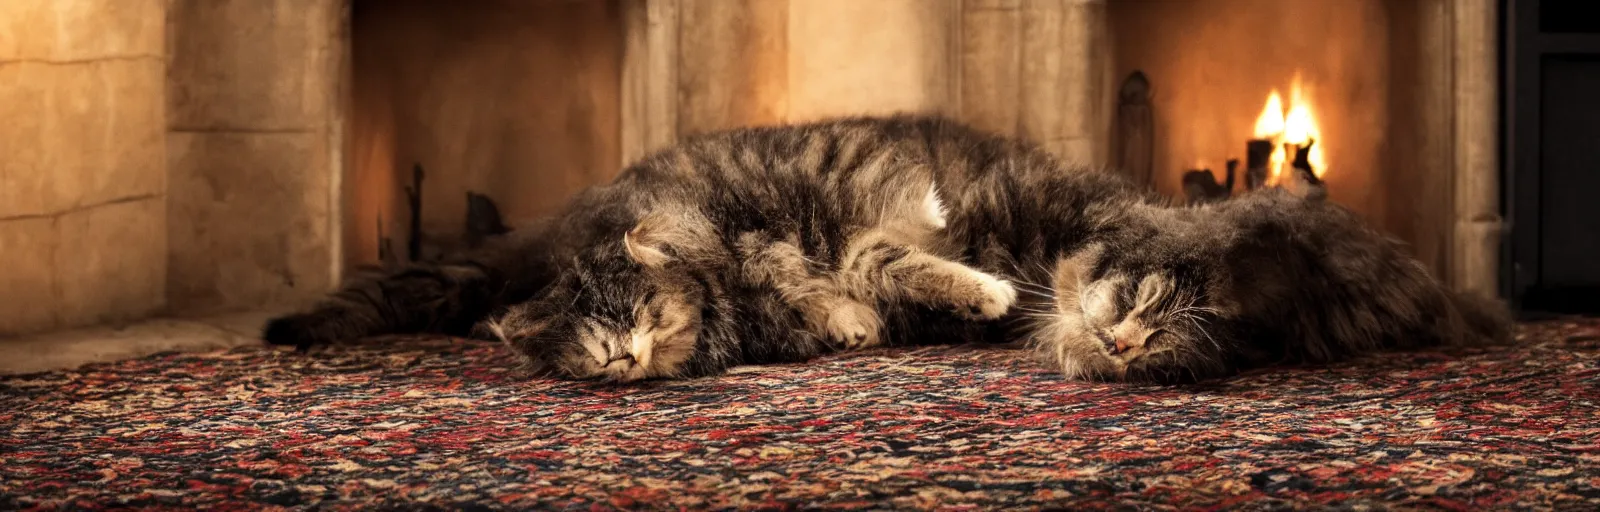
{"x": 83, "y": 188}
{"x": 253, "y": 134}
{"x": 1036, "y": 68}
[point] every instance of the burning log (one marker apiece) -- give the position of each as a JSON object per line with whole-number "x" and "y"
{"x": 1305, "y": 182}
{"x": 1201, "y": 186}
{"x": 1258, "y": 160}
{"x": 1302, "y": 162}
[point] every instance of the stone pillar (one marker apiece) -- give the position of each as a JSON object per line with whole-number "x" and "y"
{"x": 255, "y": 90}
{"x": 1479, "y": 229}
{"x": 82, "y": 163}
{"x": 1038, "y": 69}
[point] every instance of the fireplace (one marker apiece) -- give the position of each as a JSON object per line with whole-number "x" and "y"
{"x": 515, "y": 101}
{"x": 1397, "y": 94}
{"x": 1396, "y": 98}
{"x": 290, "y": 131}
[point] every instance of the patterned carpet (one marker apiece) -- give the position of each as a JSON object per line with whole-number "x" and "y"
{"x": 446, "y": 424}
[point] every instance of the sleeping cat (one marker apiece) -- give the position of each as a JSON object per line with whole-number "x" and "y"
{"x": 749, "y": 246}
{"x": 1182, "y": 294}
{"x": 1121, "y": 287}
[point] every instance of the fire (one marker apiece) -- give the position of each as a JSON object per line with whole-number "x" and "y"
{"x": 1270, "y": 124}
{"x": 1292, "y": 126}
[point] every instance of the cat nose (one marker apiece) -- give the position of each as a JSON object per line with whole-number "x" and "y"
{"x": 1113, "y": 346}
{"x": 1120, "y": 346}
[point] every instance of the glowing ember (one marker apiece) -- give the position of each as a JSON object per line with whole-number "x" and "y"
{"x": 1292, "y": 126}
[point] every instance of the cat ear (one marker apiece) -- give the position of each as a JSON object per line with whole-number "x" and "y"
{"x": 1151, "y": 290}
{"x": 663, "y": 236}
{"x": 1073, "y": 271}
{"x": 646, "y": 243}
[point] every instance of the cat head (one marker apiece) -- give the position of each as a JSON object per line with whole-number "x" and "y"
{"x": 1117, "y": 318}
{"x": 626, "y": 309}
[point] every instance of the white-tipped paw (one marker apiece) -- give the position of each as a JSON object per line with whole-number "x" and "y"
{"x": 993, "y": 299}
{"x": 854, "y": 325}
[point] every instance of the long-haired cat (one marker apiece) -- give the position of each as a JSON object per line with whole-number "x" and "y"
{"x": 1181, "y": 294}
{"x": 753, "y": 245}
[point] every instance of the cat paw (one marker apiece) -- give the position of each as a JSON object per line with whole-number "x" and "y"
{"x": 854, "y": 325}
{"x": 993, "y": 299}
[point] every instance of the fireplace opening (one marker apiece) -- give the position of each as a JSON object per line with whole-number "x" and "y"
{"x": 513, "y": 102}
{"x": 1348, "y": 78}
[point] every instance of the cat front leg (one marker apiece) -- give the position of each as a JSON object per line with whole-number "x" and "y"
{"x": 825, "y": 308}
{"x": 875, "y": 265}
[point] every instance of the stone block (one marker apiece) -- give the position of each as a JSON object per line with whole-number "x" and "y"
{"x": 78, "y": 30}
{"x": 249, "y": 220}
{"x": 844, "y": 59}
{"x": 80, "y": 134}
{"x": 250, "y": 64}
{"x": 27, "y": 285}
{"x": 110, "y": 262}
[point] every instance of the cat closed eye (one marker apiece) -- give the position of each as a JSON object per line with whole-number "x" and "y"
{"x": 1154, "y": 336}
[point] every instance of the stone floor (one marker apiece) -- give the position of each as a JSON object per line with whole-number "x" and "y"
{"x": 73, "y": 348}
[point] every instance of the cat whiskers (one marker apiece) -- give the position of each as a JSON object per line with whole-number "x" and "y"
{"x": 1041, "y": 291}
{"x": 1200, "y": 324}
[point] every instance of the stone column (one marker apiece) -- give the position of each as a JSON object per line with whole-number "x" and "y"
{"x": 82, "y": 163}
{"x": 255, "y": 91}
{"x": 1038, "y": 69}
{"x": 1478, "y": 224}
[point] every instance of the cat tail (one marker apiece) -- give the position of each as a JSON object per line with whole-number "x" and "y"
{"x": 1485, "y": 320}
{"x": 449, "y": 297}
{"x": 444, "y": 299}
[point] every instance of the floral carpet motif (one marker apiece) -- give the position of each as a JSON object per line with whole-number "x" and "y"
{"x": 451, "y": 424}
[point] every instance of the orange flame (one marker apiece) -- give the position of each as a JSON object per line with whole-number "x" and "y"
{"x": 1270, "y": 124}
{"x": 1295, "y": 125}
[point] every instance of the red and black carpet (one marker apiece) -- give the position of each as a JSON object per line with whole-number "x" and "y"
{"x": 447, "y": 424}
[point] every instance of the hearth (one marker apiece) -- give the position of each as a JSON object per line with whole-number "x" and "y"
{"x": 279, "y": 153}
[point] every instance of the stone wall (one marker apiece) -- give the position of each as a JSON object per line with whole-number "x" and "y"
{"x": 255, "y": 147}
{"x": 188, "y": 156}
{"x": 1035, "y": 68}
{"x": 83, "y": 188}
